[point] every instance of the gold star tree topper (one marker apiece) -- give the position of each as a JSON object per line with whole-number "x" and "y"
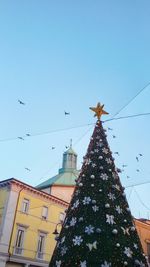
{"x": 99, "y": 111}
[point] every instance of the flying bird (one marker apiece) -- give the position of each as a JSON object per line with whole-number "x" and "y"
{"x": 66, "y": 147}
{"x": 119, "y": 170}
{"x": 137, "y": 170}
{"x": 27, "y": 169}
{"x": 21, "y": 138}
{"x": 20, "y": 102}
{"x": 137, "y": 159}
{"x": 67, "y": 113}
{"x": 128, "y": 176}
{"x": 110, "y": 129}
{"x": 53, "y": 147}
{"x": 124, "y": 165}
{"x": 140, "y": 155}
{"x": 114, "y": 136}
{"x": 117, "y": 153}
{"x": 28, "y": 134}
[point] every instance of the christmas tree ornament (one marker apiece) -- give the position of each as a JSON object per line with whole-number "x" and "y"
{"x": 115, "y": 231}
{"x": 98, "y": 230}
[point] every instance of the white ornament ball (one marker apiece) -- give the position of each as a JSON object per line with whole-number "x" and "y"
{"x": 115, "y": 231}
{"x": 92, "y": 185}
{"x": 80, "y": 184}
{"x": 98, "y": 230}
{"x": 125, "y": 263}
{"x": 101, "y": 168}
{"x": 101, "y": 157}
{"x": 128, "y": 209}
{"x": 117, "y": 245}
{"x": 92, "y": 176}
{"x": 132, "y": 228}
{"x": 125, "y": 220}
{"x": 100, "y": 190}
{"x": 107, "y": 205}
{"x": 93, "y": 201}
{"x": 110, "y": 170}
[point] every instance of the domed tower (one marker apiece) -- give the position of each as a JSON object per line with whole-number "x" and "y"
{"x": 69, "y": 160}
{"x": 62, "y": 185}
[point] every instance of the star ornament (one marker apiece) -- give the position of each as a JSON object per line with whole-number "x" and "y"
{"x": 99, "y": 111}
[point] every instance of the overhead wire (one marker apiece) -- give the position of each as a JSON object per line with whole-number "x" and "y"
{"x": 143, "y": 204}
{"x": 74, "y": 127}
{"x": 138, "y": 93}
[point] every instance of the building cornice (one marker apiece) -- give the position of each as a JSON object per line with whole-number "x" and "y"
{"x": 17, "y": 185}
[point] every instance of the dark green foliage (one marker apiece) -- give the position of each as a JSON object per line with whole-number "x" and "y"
{"x": 98, "y": 230}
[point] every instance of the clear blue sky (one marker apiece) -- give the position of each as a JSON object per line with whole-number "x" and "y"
{"x": 68, "y": 55}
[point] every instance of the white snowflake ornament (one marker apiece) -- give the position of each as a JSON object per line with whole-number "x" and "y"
{"x": 86, "y": 200}
{"x": 111, "y": 196}
{"x": 77, "y": 240}
{"x": 58, "y": 263}
{"x": 82, "y": 263}
{"x": 95, "y": 208}
{"x": 73, "y": 221}
{"x": 104, "y": 176}
{"x": 106, "y": 264}
{"x": 89, "y": 229}
{"x": 128, "y": 252}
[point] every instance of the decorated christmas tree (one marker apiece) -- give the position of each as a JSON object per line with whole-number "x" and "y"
{"x": 98, "y": 230}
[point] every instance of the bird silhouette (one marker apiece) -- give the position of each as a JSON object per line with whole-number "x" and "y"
{"x": 137, "y": 159}
{"x": 117, "y": 153}
{"x": 53, "y": 147}
{"x": 119, "y": 170}
{"x": 27, "y": 169}
{"x": 128, "y": 176}
{"x": 20, "y": 102}
{"x": 21, "y": 138}
{"x": 140, "y": 155}
{"x": 110, "y": 129}
{"x": 67, "y": 113}
{"x": 137, "y": 170}
{"x": 114, "y": 136}
{"x": 66, "y": 147}
{"x": 28, "y": 134}
{"x": 124, "y": 165}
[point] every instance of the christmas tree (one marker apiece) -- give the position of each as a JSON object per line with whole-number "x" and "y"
{"x": 98, "y": 230}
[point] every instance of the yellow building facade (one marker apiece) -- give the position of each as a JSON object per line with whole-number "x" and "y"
{"x": 28, "y": 218}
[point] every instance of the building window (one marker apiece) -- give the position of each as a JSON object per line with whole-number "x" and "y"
{"x": 25, "y": 205}
{"x": 19, "y": 240}
{"x": 61, "y": 217}
{"x": 44, "y": 213}
{"x": 40, "y": 247}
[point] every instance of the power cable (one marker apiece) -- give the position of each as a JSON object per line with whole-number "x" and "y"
{"x": 129, "y": 116}
{"x": 141, "y": 200}
{"x": 75, "y": 127}
{"x": 141, "y": 90}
